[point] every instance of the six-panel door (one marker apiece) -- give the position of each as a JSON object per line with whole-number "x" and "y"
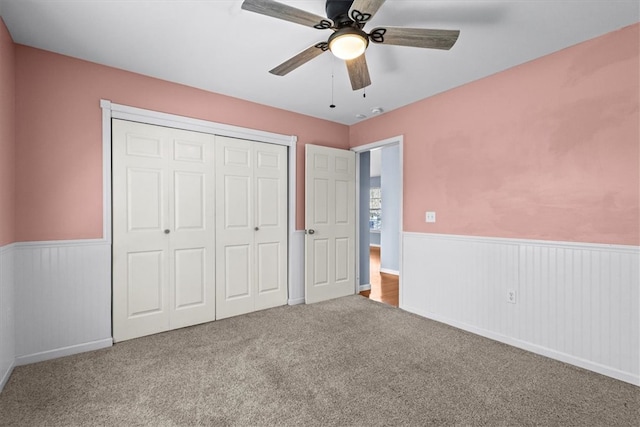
{"x": 163, "y": 229}
{"x": 251, "y": 242}
{"x": 329, "y": 223}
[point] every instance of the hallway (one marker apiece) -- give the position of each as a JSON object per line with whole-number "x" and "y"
{"x": 384, "y": 287}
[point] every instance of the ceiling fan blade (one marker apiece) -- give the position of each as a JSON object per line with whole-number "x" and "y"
{"x": 303, "y": 57}
{"x": 358, "y": 72}
{"x": 286, "y": 12}
{"x": 368, "y": 8}
{"x": 416, "y": 37}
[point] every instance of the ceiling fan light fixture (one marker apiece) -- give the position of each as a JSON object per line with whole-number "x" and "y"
{"x": 348, "y": 43}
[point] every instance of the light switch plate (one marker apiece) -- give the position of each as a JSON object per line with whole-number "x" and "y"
{"x": 430, "y": 217}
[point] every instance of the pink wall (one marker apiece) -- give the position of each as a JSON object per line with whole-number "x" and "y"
{"x": 546, "y": 150}
{"x": 7, "y": 137}
{"x": 59, "y": 135}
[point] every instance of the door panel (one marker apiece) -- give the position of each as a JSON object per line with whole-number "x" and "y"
{"x": 190, "y": 200}
{"x": 342, "y": 202}
{"x": 237, "y": 202}
{"x": 237, "y": 269}
{"x": 234, "y": 227}
{"x": 321, "y": 265}
{"x": 269, "y": 275}
{"x": 145, "y": 276}
{"x": 189, "y": 151}
{"x": 145, "y": 190}
{"x": 140, "y": 213}
{"x": 163, "y": 229}
{"x": 270, "y": 238}
{"x": 191, "y": 271}
{"x": 342, "y": 260}
{"x": 192, "y": 228}
{"x": 320, "y": 206}
{"x": 147, "y": 145}
{"x": 268, "y": 209}
{"x": 252, "y": 233}
{"x": 330, "y": 213}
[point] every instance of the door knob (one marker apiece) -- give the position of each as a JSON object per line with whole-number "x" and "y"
{"x": 257, "y": 228}
{"x": 167, "y": 231}
{"x": 311, "y": 231}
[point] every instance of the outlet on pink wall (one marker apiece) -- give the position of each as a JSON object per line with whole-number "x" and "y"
{"x": 546, "y": 150}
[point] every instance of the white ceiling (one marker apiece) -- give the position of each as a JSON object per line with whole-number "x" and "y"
{"x": 217, "y": 46}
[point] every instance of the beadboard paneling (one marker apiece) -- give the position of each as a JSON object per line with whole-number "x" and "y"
{"x": 575, "y": 302}
{"x": 7, "y": 329}
{"x": 63, "y": 291}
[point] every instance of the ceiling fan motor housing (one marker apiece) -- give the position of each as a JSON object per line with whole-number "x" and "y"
{"x": 338, "y": 11}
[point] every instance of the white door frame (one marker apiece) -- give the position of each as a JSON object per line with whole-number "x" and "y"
{"x": 396, "y": 140}
{"x": 117, "y": 111}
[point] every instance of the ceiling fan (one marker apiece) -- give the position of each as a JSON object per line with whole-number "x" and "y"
{"x": 347, "y": 18}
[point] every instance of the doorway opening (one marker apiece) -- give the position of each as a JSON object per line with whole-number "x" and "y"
{"x": 380, "y": 220}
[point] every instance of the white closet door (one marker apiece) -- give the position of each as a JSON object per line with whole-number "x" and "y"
{"x": 234, "y": 227}
{"x": 163, "y": 229}
{"x": 192, "y": 237}
{"x": 330, "y": 223}
{"x": 251, "y": 226}
{"x": 271, "y": 220}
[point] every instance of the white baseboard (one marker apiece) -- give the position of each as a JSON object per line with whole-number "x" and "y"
{"x": 6, "y": 376}
{"x": 373, "y": 245}
{"x": 65, "y": 351}
{"x": 389, "y": 271}
{"x": 543, "y": 351}
{"x": 295, "y": 301}
{"x": 366, "y": 287}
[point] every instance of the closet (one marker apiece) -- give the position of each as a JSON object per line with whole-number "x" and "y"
{"x": 199, "y": 227}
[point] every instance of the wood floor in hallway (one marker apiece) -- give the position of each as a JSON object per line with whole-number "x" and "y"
{"x": 384, "y": 287}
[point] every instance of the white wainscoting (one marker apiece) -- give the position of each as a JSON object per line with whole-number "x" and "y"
{"x": 296, "y": 269}
{"x": 578, "y": 303}
{"x": 63, "y": 292}
{"x": 7, "y": 313}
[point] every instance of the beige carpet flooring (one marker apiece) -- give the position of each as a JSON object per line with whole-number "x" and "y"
{"x": 344, "y": 362}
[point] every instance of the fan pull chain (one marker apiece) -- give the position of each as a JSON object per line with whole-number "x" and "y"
{"x": 332, "y": 104}
{"x": 364, "y": 92}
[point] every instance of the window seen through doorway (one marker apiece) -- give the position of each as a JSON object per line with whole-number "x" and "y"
{"x": 375, "y": 208}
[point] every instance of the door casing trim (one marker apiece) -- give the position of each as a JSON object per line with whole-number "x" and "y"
{"x": 389, "y": 142}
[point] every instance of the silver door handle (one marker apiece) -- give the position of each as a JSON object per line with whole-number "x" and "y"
{"x": 167, "y": 231}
